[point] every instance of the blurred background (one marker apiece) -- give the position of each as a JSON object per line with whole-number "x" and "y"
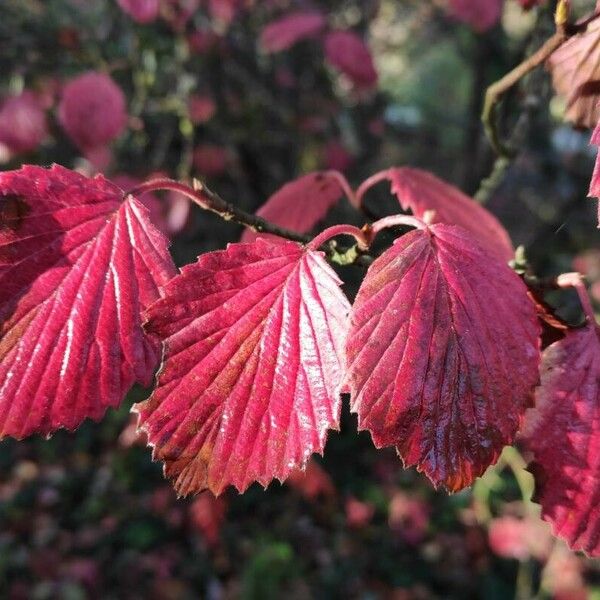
{"x": 215, "y": 89}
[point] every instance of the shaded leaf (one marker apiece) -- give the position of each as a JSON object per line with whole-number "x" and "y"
{"x": 442, "y": 354}
{"x": 421, "y": 191}
{"x": 595, "y": 182}
{"x": 300, "y": 204}
{"x": 563, "y": 432}
{"x": 249, "y": 384}
{"x": 294, "y": 27}
{"x": 575, "y": 69}
{"x": 77, "y": 265}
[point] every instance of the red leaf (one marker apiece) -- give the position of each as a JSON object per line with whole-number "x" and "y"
{"x": 300, "y": 204}
{"x": 77, "y": 264}
{"x": 23, "y": 124}
{"x": 481, "y": 15}
{"x": 142, "y": 11}
{"x": 249, "y": 384}
{"x": 92, "y": 111}
{"x": 575, "y": 69}
{"x": 563, "y": 432}
{"x": 348, "y": 53}
{"x": 442, "y": 354}
{"x": 421, "y": 191}
{"x": 283, "y": 33}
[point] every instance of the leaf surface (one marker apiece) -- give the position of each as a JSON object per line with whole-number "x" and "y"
{"x": 249, "y": 384}
{"x": 421, "y": 191}
{"x": 563, "y": 432}
{"x": 442, "y": 354}
{"x": 575, "y": 69}
{"x": 300, "y": 204}
{"x": 77, "y": 265}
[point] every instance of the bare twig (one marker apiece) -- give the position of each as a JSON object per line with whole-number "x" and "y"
{"x": 212, "y": 202}
{"x": 496, "y": 91}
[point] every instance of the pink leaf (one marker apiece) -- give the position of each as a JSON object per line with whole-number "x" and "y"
{"x": 283, "y": 33}
{"x": 442, "y": 354}
{"x": 300, "y": 204}
{"x": 421, "y": 191}
{"x": 142, "y": 11}
{"x": 563, "y": 432}
{"x": 249, "y": 384}
{"x": 77, "y": 264}
{"x": 348, "y": 53}
{"x": 92, "y": 111}
{"x": 481, "y": 15}
{"x": 23, "y": 124}
{"x": 575, "y": 69}
{"x": 595, "y": 183}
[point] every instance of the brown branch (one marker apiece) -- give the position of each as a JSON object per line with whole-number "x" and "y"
{"x": 495, "y": 91}
{"x": 212, "y": 202}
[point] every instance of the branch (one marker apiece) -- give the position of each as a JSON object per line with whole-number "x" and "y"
{"x": 495, "y": 91}
{"x": 212, "y": 202}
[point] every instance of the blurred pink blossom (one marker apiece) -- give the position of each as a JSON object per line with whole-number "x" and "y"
{"x": 211, "y": 160}
{"x": 336, "y": 156}
{"x": 290, "y": 29}
{"x": 142, "y": 11}
{"x": 312, "y": 483}
{"x": 358, "y": 513}
{"x": 23, "y": 124}
{"x": 207, "y": 515}
{"x": 408, "y": 517}
{"x": 93, "y": 112}
{"x": 348, "y": 53}
{"x": 201, "y": 108}
{"x": 481, "y": 15}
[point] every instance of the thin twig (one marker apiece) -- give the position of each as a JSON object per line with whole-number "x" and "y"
{"x": 495, "y": 91}
{"x": 212, "y": 202}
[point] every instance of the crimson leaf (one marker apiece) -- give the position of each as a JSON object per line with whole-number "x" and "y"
{"x": 249, "y": 384}
{"x": 421, "y": 191}
{"x": 300, "y": 204}
{"x": 442, "y": 354}
{"x": 77, "y": 265}
{"x": 563, "y": 432}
